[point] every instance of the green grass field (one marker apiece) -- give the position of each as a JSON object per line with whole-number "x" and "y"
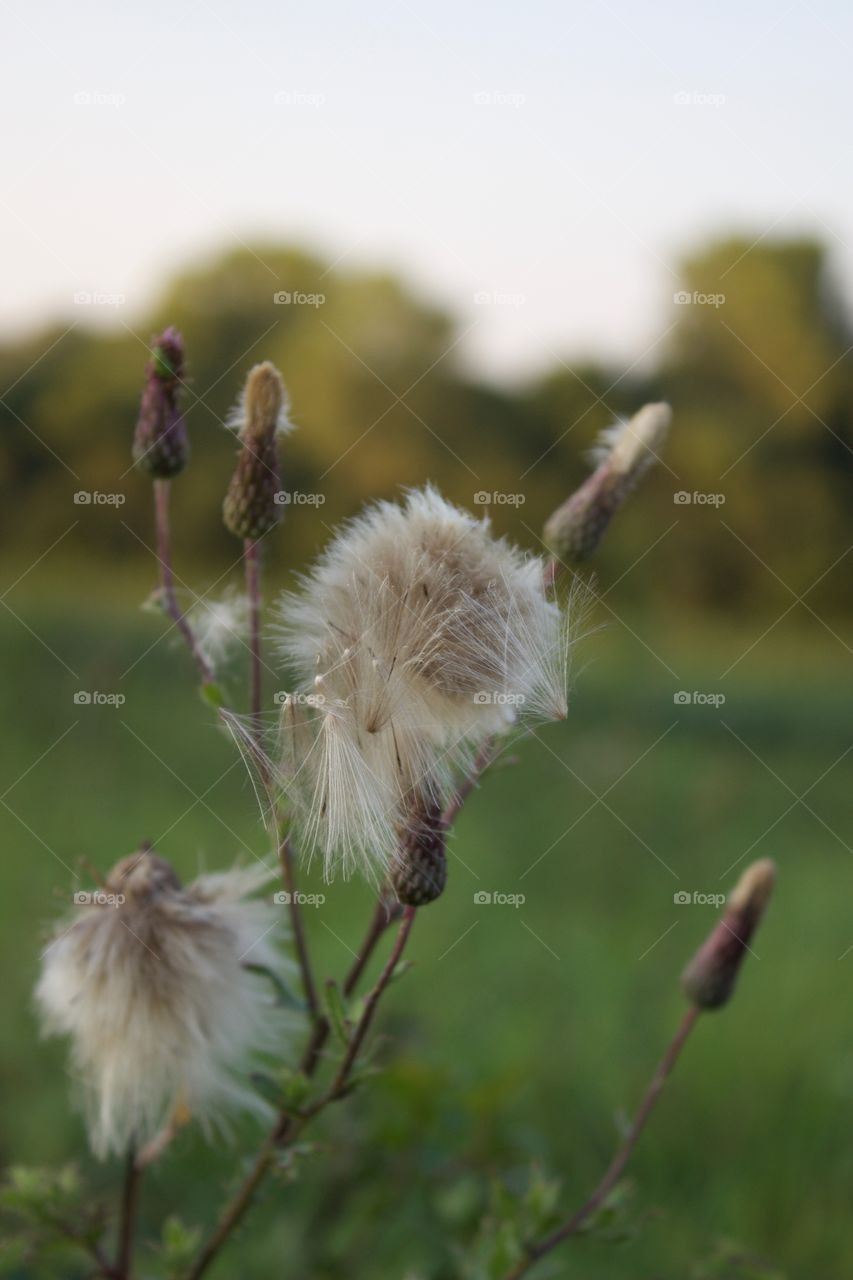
{"x": 523, "y": 1033}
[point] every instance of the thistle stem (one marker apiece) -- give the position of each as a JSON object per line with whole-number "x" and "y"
{"x": 288, "y": 874}
{"x": 127, "y": 1220}
{"x": 162, "y": 490}
{"x": 252, "y": 562}
{"x": 287, "y": 1126}
{"x": 537, "y": 1250}
{"x": 363, "y": 1025}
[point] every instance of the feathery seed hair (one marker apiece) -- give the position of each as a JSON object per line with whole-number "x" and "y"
{"x": 149, "y": 980}
{"x": 417, "y": 636}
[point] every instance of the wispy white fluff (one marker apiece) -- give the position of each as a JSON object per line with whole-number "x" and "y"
{"x": 418, "y": 635}
{"x": 221, "y": 626}
{"x": 263, "y": 400}
{"x": 632, "y": 445}
{"x": 150, "y": 982}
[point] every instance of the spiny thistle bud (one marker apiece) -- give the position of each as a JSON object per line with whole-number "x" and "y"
{"x": 418, "y": 872}
{"x": 251, "y": 507}
{"x": 160, "y": 443}
{"x": 710, "y": 977}
{"x": 152, "y": 981}
{"x": 623, "y": 453}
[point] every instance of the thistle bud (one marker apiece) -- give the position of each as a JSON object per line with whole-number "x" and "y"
{"x": 160, "y": 442}
{"x": 623, "y": 454}
{"x": 418, "y": 872}
{"x": 710, "y": 977}
{"x": 251, "y": 507}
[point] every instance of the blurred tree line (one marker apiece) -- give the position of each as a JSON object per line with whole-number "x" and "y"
{"x": 757, "y": 365}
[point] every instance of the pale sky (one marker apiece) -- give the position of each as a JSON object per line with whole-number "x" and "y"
{"x": 556, "y": 157}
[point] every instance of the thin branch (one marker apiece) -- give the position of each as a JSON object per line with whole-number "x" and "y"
{"x": 288, "y": 874}
{"x": 252, "y": 563}
{"x": 287, "y": 1126}
{"x": 169, "y": 598}
{"x": 572, "y": 1225}
{"x": 127, "y": 1220}
{"x": 363, "y": 1025}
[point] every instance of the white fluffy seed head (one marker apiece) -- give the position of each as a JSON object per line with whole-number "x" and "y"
{"x": 150, "y": 982}
{"x": 420, "y": 635}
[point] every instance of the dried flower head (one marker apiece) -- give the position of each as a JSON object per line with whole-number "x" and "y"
{"x": 417, "y": 635}
{"x": 160, "y": 442}
{"x": 149, "y": 980}
{"x": 251, "y": 508}
{"x": 623, "y": 454}
{"x": 710, "y": 977}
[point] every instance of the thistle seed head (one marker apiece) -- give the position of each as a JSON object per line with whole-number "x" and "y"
{"x": 149, "y": 981}
{"x": 417, "y": 636}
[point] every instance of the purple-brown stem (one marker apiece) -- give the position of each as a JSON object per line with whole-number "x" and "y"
{"x": 286, "y": 1126}
{"x": 538, "y": 1249}
{"x": 252, "y": 561}
{"x": 288, "y": 875}
{"x": 162, "y": 490}
{"x": 127, "y": 1220}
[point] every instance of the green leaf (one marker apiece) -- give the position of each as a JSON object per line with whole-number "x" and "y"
{"x": 179, "y": 1243}
{"x": 284, "y": 996}
{"x": 212, "y": 693}
{"x": 337, "y": 1011}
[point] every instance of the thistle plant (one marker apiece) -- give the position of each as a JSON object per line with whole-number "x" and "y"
{"x": 418, "y": 645}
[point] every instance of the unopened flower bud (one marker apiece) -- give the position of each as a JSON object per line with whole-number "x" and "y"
{"x": 710, "y": 977}
{"x": 418, "y": 872}
{"x": 252, "y": 507}
{"x": 624, "y": 452}
{"x": 160, "y": 442}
